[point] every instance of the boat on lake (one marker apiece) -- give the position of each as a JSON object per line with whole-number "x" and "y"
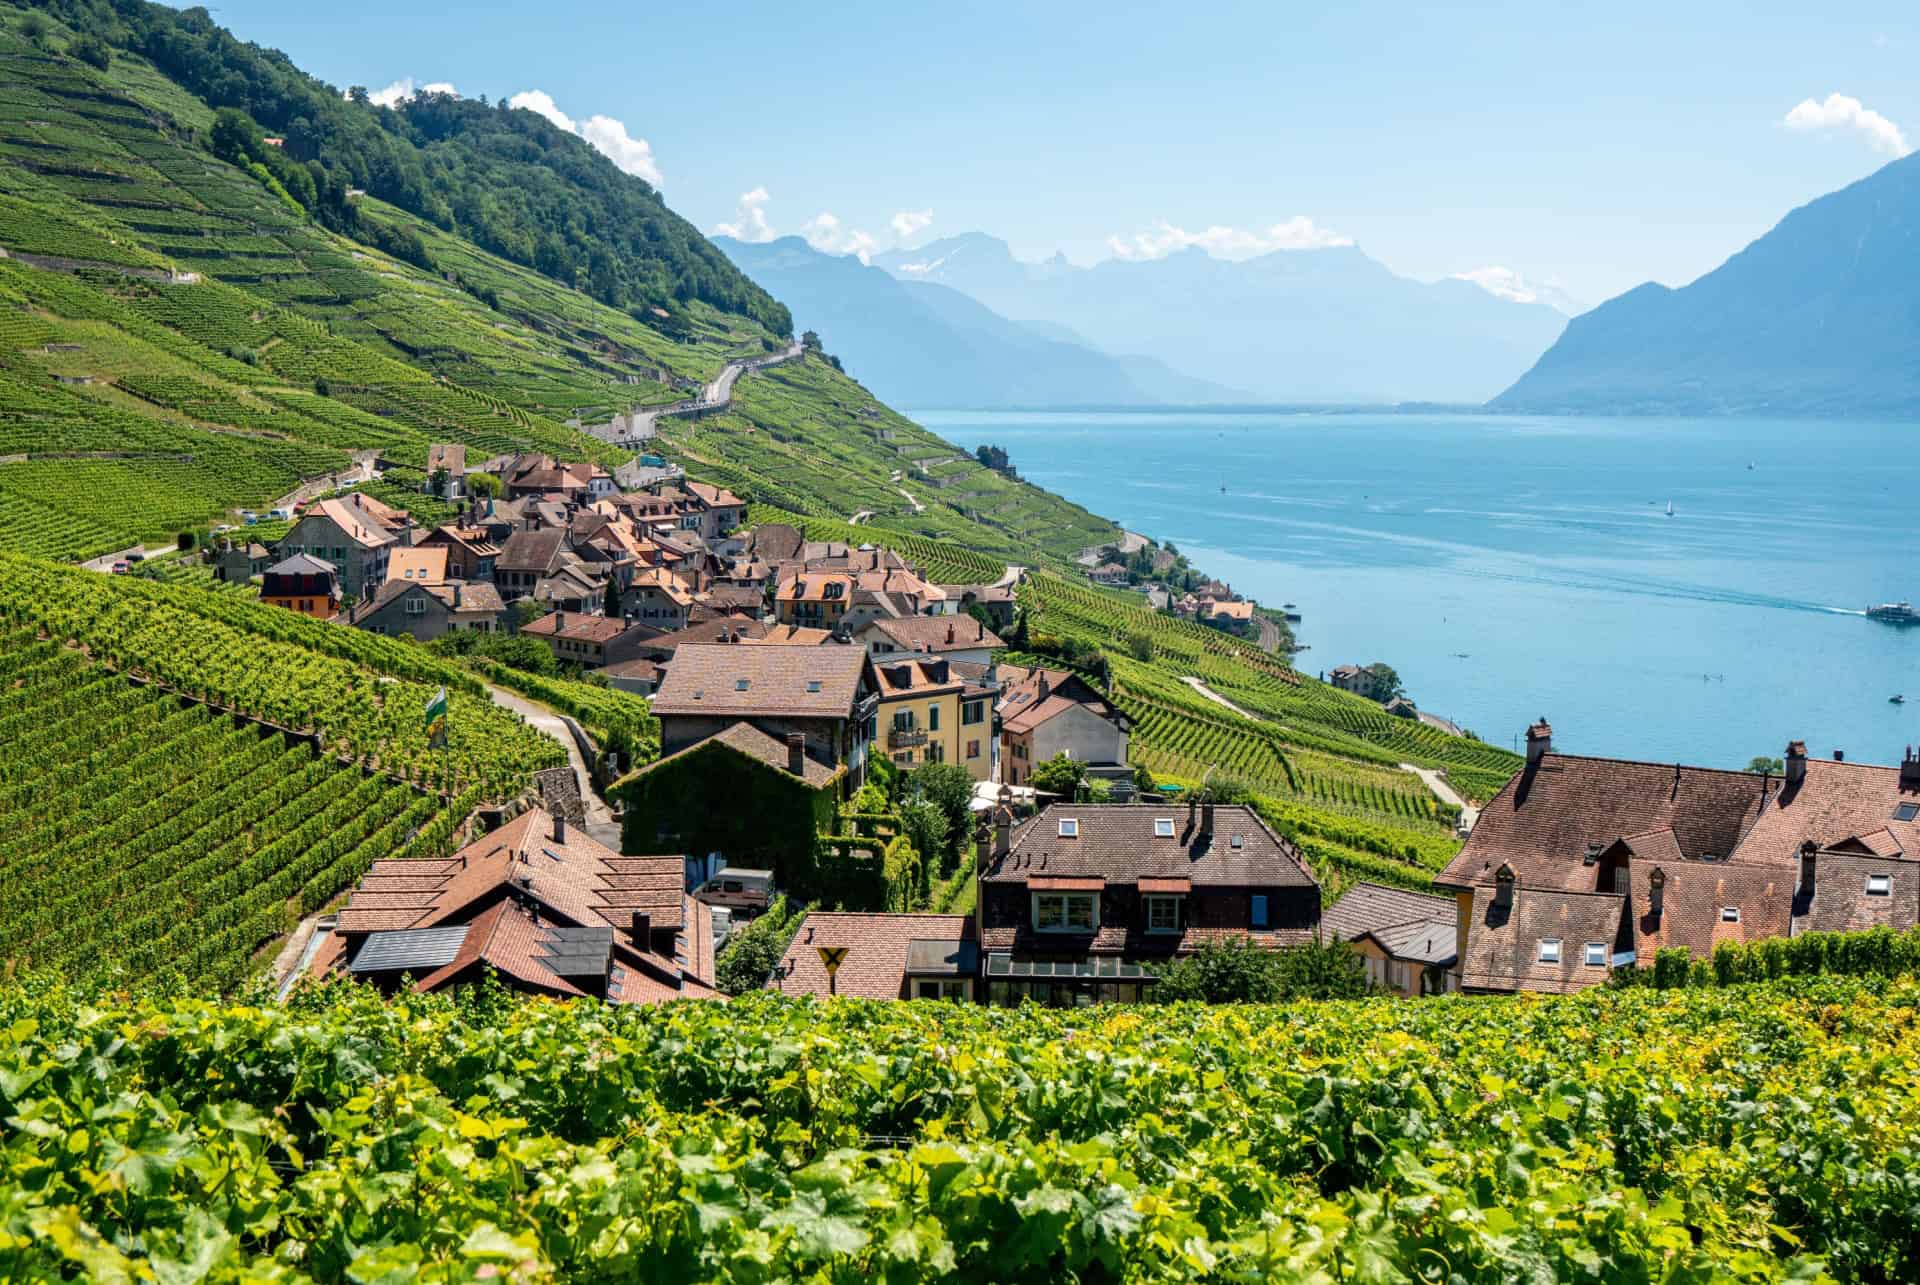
{"x": 1894, "y": 613}
{"x": 1896, "y": 700}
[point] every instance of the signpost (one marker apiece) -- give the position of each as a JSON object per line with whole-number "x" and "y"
{"x": 830, "y": 958}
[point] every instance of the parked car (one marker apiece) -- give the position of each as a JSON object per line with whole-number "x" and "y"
{"x": 738, "y": 889}
{"x": 281, "y": 515}
{"x": 119, "y": 568}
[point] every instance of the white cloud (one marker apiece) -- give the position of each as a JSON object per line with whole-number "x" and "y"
{"x": 825, "y": 233}
{"x": 1222, "y": 242}
{"x": 909, "y": 223}
{"x": 749, "y": 218}
{"x": 1838, "y": 111}
{"x": 608, "y": 136}
{"x": 1505, "y": 283}
{"x": 404, "y": 88}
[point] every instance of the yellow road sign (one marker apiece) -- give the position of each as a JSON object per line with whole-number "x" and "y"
{"x": 830, "y": 958}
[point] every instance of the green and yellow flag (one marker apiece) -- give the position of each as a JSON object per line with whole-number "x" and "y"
{"x": 437, "y": 719}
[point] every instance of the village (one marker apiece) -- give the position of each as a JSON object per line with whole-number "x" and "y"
{"x": 815, "y": 697}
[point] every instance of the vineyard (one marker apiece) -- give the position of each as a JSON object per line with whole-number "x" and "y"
{"x": 362, "y": 695}
{"x": 151, "y": 838}
{"x": 1756, "y": 1133}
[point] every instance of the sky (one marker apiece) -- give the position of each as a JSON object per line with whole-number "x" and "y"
{"x": 1539, "y": 150}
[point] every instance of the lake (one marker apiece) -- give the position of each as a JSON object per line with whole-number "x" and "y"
{"x": 1510, "y": 567}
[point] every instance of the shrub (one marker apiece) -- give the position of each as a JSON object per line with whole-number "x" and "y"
{"x": 752, "y": 953}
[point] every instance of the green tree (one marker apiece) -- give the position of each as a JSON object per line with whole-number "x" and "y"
{"x": 949, "y": 787}
{"x": 1140, "y": 647}
{"x": 1761, "y": 765}
{"x": 1387, "y": 679}
{"x": 1234, "y": 971}
{"x": 483, "y": 486}
{"x": 92, "y": 50}
{"x": 1060, "y": 776}
{"x": 925, "y": 824}
{"x": 753, "y": 952}
{"x": 235, "y": 137}
{"x": 1322, "y": 970}
{"x": 528, "y": 610}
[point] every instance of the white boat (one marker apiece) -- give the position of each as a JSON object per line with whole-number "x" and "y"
{"x": 1669, "y": 508}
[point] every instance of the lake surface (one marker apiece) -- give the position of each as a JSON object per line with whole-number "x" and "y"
{"x": 1510, "y": 567}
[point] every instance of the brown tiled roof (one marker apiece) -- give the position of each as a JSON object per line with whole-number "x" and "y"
{"x": 937, "y": 633}
{"x": 1503, "y": 946}
{"x": 714, "y": 497}
{"x": 1116, "y": 842}
{"x": 359, "y": 525}
{"x": 578, "y": 625}
{"x": 1032, "y": 716}
{"x": 1692, "y": 900}
{"x": 877, "y": 945}
{"x": 706, "y": 631}
{"x": 1066, "y": 883}
{"x": 1364, "y": 907}
{"x": 816, "y": 586}
{"x": 744, "y": 738}
{"x": 747, "y": 598}
{"x": 902, "y": 676}
{"x": 533, "y": 551}
{"x": 792, "y": 636}
{"x": 776, "y": 541}
{"x": 730, "y": 681}
{"x": 451, "y": 456}
{"x": 1840, "y": 902}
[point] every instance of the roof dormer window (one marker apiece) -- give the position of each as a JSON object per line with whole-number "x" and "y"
{"x": 1069, "y": 828}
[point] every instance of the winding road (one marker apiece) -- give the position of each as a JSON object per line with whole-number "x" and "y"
{"x": 641, "y": 425}
{"x": 599, "y": 815}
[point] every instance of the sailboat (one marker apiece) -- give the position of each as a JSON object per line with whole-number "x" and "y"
{"x": 1669, "y": 508}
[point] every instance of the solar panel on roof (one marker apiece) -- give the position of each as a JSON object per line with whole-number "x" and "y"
{"x": 401, "y": 949}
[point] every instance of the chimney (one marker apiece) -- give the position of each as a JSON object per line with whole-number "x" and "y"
{"x": 949, "y": 633}
{"x": 559, "y": 622}
{"x": 1539, "y": 741}
{"x": 1002, "y": 831}
{"x": 1193, "y": 809}
{"x": 1910, "y": 770}
{"x": 982, "y": 845}
{"x": 1839, "y": 756}
{"x": 1503, "y": 882}
{"x": 1206, "y": 819}
{"x": 559, "y": 828}
{"x": 1808, "y": 860}
{"x": 642, "y": 929}
{"x": 796, "y": 753}
{"x": 1657, "y": 897}
{"x": 1046, "y": 688}
{"x": 1796, "y": 763}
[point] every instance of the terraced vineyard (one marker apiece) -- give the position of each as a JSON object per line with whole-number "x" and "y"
{"x": 152, "y": 838}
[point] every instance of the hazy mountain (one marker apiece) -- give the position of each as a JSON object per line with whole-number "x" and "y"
{"x": 1821, "y": 316}
{"x": 1327, "y": 325}
{"x": 926, "y": 345}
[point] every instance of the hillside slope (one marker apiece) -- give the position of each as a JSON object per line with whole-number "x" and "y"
{"x": 1821, "y": 316}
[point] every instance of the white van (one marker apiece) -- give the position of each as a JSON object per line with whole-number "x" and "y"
{"x": 738, "y": 889}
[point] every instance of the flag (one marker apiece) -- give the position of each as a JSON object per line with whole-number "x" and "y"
{"x": 437, "y": 719}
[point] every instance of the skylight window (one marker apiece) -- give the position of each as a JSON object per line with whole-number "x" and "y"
{"x": 1550, "y": 950}
{"x": 1239, "y": 840}
{"x": 1596, "y": 954}
{"x": 1879, "y": 885}
{"x": 1906, "y": 811}
{"x": 741, "y": 684}
{"x": 1069, "y": 828}
{"x": 813, "y": 685}
{"x": 1163, "y": 827}
{"x": 1729, "y": 914}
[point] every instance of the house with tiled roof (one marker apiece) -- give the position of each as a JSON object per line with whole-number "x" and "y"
{"x": 1408, "y": 939}
{"x": 1087, "y": 901}
{"x": 527, "y": 558}
{"x": 304, "y": 584}
{"x": 950, "y": 637}
{"x": 658, "y": 599}
{"x": 931, "y": 713}
{"x": 538, "y": 904}
{"x": 1583, "y": 865}
{"x": 471, "y": 552}
{"x": 816, "y": 599}
{"x": 424, "y": 610}
{"x": 421, "y": 564}
{"x": 450, "y": 459}
{"x": 1044, "y": 713}
{"x": 356, "y": 533}
{"x": 589, "y": 640}
{"x": 829, "y": 696}
{"x": 886, "y": 956}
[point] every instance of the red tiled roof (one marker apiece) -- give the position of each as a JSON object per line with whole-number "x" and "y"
{"x": 1503, "y": 946}
{"x": 1364, "y": 907}
{"x": 725, "y": 680}
{"x": 877, "y": 945}
{"x": 1117, "y": 843}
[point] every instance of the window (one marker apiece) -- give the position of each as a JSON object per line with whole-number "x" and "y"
{"x": 973, "y": 749}
{"x": 1258, "y": 913}
{"x": 906, "y": 756}
{"x": 943, "y": 988}
{"x": 1163, "y": 914}
{"x": 973, "y": 712}
{"x": 813, "y": 685}
{"x": 416, "y": 606}
{"x": 1550, "y": 950}
{"x": 1906, "y": 811}
{"x": 1066, "y": 912}
{"x": 1163, "y": 827}
{"x": 903, "y": 720}
{"x": 1596, "y": 954}
{"x": 741, "y": 684}
{"x": 933, "y": 718}
{"x": 1729, "y": 914}
{"x": 936, "y": 752}
{"x": 1879, "y": 885}
{"x": 1069, "y": 828}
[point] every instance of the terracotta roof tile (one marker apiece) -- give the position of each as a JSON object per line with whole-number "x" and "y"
{"x": 1117, "y": 842}
{"x": 877, "y": 948}
{"x": 729, "y": 681}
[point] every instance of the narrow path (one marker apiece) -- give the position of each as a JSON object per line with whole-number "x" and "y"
{"x": 1011, "y": 577}
{"x": 1218, "y": 699}
{"x": 362, "y": 471}
{"x": 917, "y": 506}
{"x": 1469, "y": 814}
{"x": 106, "y": 560}
{"x": 719, "y": 393}
{"x": 860, "y": 517}
{"x": 599, "y": 815}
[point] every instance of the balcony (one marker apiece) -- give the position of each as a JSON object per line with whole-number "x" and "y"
{"x": 905, "y": 738}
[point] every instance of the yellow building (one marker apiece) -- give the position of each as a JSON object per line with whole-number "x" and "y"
{"x": 923, "y": 708}
{"x": 815, "y": 599}
{"x": 1408, "y": 939}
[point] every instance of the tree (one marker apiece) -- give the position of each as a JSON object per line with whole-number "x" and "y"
{"x": 1761, "y": 765}
{"x": 753, "y": 952}
{"x": 92, "y": 50}
{"x": 1060, "y": 776}
{"x": 810, "y": 341}
{"x": 1323, "y": 970}
{"x": 1143, "y": 782}
{"x": 235, "y": 137}
{"x": 1386, "y": 680}
{"x": 1234, "y": 971}
{"x": 949, "y": 787}
{"x": 483, "y": 486}
{"x": 1140, "y": 647}
{"x": 183, "y": 541}
{"x": 437, "y": 483}
{"x": 924, "y": 823}
{"x": 528, "y": 610}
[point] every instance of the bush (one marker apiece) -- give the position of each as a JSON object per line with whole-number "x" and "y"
{"x": 949, "y": 787}
{"x": 1060, "y": 776}
{"x": 752, "y": 953}
{"x": 1239, "y": 971}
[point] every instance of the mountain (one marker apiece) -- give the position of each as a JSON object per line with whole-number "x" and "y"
{"x": 921, "y": 344}
{"x": 1820, "y": 316}
{"x": 1326, "y": 325}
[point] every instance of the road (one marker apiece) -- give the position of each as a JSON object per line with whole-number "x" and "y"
{"x": 599, "y": 816}
{"x": 1218, "y": 699}
{"x": 1469, "y": 814}
{"x": 1011, "y": 577}
{"x": 362, "y": 471}
{"x": 715, "y": 395}
{"x": 105, "y": 561}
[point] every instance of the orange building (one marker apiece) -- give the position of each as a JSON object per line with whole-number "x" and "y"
{"x": 304, "y": 584}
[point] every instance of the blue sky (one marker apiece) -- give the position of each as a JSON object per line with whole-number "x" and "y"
{"x": 1650, "y": 141}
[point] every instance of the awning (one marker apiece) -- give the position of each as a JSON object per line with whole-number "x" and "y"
{"x": 1166, "y": 885}
{"x": 928, "y": 955}
{"x": 1063, "y": 883}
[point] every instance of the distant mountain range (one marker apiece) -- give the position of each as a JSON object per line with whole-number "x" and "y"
{"x": 1821, "y": 316}
{"x": 922, "y": 345}
{"x": 1325, "y": 325}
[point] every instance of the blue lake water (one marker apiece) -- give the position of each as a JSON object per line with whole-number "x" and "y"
{"x": 1511, "y": 567}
